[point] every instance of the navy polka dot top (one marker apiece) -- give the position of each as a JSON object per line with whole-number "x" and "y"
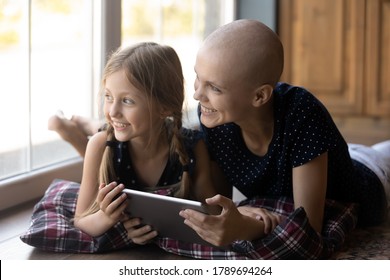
{"x": 173, "y": 170}
{"x": 303, "y": 130}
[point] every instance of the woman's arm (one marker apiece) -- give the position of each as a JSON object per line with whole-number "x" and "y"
{"x": 309, "y": 189}
{"x": 202, "y": 184}
{"x": 227, "y": 223}
{"x": 228, "y": 226}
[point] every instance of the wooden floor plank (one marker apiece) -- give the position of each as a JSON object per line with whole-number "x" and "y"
{"x": 15, "y": 221}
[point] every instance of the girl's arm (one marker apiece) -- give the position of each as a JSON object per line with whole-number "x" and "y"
{"x": 309, "y": 189}
{"x": 97, "y": 222}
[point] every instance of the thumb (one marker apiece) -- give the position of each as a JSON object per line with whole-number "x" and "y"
{"x": 222, "y": 201}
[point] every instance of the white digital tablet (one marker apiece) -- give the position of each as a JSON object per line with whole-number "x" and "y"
{"x": 162, "y": 214}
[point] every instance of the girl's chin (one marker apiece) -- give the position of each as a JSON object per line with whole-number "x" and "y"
{"x": 121, "y": 136}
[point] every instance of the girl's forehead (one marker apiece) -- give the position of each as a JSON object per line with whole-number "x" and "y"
{"x": 119, "y": 81}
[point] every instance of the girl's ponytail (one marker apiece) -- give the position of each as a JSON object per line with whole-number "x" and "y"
{"x": 177, "y": 148}
{"x": 107, "y": 171}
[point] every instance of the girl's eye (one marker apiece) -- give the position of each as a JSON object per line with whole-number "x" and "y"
{"x": 128, "y": 101}
{"x": 108, "y": 98}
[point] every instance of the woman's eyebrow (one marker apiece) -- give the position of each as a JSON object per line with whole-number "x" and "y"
{"x": 211, "y": 82}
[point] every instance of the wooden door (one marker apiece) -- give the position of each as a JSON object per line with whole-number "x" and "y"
{"x": 377, "y": 62}
{"x": 340, "y": 51}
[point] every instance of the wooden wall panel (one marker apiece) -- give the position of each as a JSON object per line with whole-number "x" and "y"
{"x": 377, "y": 74}
{"x": 324, "y": 44}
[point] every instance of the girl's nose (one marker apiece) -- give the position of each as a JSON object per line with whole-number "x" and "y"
{"x": 115, "y": 110}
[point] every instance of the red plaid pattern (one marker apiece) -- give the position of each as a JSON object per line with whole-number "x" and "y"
{"x": 52, "y": 229}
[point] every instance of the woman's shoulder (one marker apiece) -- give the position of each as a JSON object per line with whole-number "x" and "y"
{"x": 297, "y": 102}
{"x": 191, "y": 136}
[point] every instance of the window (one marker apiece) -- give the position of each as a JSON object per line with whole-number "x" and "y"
{"x": 51, "y": 54}
{"x": 45, "y": 65}
{"x": 181, "y": 24}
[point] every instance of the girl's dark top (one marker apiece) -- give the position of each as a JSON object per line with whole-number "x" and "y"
{"x": 172, "y": 173}
{"x": 303, "y": 130}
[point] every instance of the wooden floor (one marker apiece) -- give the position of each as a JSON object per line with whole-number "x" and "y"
{"x": 14, "y": 222}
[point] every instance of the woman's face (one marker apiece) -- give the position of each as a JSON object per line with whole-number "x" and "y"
{"x": 126, "y": 108}
{"x": 221, "y": 88}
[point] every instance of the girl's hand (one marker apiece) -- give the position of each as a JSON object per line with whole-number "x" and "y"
{"x": 222, "y": 229}
{"x": 140, "y": 235}
{"x": 271, "y": 220}
{"x": 111, "y": 202}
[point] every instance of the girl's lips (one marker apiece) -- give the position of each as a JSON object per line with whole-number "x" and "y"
{"x": 119, "y": 126}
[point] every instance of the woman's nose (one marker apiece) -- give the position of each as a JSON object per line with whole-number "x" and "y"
{"x": 198, "y": 94}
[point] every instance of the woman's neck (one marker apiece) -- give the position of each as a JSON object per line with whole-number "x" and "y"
{"x": 258, "y": 130}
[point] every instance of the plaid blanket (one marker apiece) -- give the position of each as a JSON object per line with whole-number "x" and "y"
{"x": 51, "y": 229}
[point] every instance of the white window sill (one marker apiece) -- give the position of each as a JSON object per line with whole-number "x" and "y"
{"x": 24, "y": 188}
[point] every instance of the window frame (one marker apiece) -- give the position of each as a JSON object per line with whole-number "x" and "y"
{"x": 31, "y": 185}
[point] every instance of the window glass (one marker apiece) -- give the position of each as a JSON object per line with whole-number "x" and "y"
{"x": 14, "y": 73}
{"x": 182, "y": 24}
{"x": 45, "y": 65}
{"x": 61, "y": 58}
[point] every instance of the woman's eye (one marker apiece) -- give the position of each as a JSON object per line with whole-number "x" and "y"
{"x": 213, "y": 88}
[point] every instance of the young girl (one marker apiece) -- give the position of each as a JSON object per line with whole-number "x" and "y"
{"x": 143, "y": 145}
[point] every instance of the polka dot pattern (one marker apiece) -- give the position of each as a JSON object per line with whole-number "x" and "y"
{"x": 303, "y": 130}
{"x": 172, "y": 173}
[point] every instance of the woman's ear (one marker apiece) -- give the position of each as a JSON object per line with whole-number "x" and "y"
{"x": 262, "y": 95}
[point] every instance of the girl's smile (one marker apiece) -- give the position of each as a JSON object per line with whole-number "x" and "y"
{"x": 118, "y": 126}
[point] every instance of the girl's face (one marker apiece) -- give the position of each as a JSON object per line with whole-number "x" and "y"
{"x": 126, "y": 109}
{"x": 221, "y": 89}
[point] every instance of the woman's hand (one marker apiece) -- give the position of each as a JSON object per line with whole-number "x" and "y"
{"x": 223, "y": 229}
{"x": 271, "y": 220}
{"x": 111, "y": 202}
{"x": 140, "y": 235}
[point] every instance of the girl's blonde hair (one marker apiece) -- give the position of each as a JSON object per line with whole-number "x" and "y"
{"x": 155, "y": 70}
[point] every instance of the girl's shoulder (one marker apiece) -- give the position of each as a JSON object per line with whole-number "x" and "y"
{"x": 97, "y": 141}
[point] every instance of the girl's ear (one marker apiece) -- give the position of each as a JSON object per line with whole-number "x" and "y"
{"x": 262, "y": 95}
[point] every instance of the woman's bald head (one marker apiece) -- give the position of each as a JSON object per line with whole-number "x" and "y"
{"x": 250, "y": 47}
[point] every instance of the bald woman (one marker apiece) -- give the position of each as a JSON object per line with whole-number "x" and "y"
{"x": 271, "y": 139}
